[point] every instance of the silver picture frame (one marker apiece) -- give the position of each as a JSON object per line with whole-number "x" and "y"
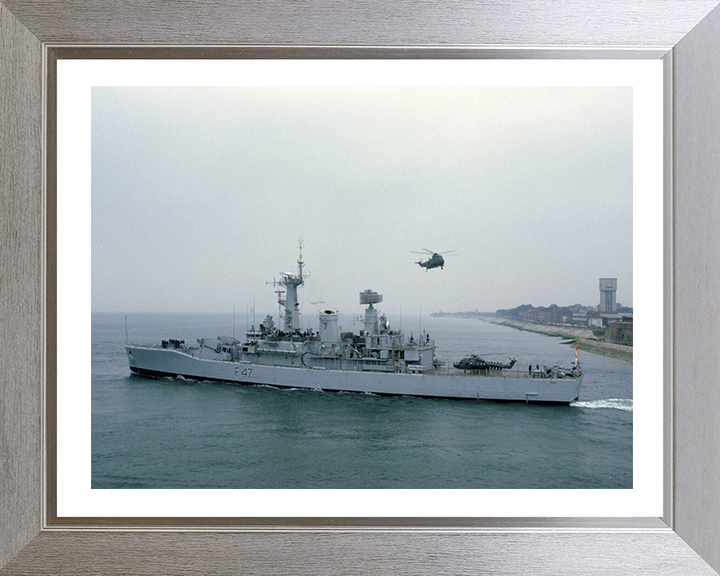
{"x": 684, "y": 34}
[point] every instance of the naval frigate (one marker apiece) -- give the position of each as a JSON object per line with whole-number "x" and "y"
{"x": 378, "y": 360}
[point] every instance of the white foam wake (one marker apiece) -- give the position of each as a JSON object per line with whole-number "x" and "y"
{"x": 624, "y": 404}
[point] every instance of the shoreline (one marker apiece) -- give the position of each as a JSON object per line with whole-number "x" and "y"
{"x": 582, "y": 335}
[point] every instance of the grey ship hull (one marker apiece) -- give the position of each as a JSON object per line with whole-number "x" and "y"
{"x": 506, "y": 385}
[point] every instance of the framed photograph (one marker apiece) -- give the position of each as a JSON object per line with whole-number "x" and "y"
{"x": 364, "y": 146}
{"x": 76, "y": 222}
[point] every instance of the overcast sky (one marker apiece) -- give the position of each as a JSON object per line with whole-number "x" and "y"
{"x": 200, "y": 195}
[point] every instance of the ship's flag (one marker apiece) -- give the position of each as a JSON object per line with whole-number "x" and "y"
{"x": 577, "y": 353}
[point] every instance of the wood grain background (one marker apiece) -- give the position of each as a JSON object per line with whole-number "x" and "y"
{"x": 21, "y": 198}
{"x": 375, "y": 553}
{"x": 696, "y": 110}
{"x": 369, "y": 23}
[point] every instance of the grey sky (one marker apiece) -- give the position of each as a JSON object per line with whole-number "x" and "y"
{"x": 199, "y": 196}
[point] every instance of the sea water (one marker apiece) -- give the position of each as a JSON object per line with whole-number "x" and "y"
{"x": 182, "y": 433}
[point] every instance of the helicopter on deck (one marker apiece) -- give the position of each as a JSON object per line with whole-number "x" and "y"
{"x": 436, "y": 259}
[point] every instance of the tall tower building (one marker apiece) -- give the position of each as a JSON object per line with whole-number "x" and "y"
{"x": 608, "y": 288}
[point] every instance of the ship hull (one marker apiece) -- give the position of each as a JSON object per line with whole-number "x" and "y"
{"x": 501, "y": 386}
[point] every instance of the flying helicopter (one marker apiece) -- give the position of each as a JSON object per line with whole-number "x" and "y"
{"x": 436, "y": 259}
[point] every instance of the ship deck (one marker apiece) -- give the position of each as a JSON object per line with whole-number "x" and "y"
{"x": 452, "y": 371}
{"x": 505, "y": 373}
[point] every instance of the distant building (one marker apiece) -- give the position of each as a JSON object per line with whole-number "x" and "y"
{"x": 608, "y": 318}
{"x": 594, "y": 320}
{"x": 580, "y": 318}
{"x": 622, "y": 332}
{"x": 551, "y": 315}
{"x": 608, "y": 289}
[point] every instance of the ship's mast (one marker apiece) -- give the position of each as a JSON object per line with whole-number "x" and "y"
{"x": 371, "y": 317}
{"x": 292, "y": 307}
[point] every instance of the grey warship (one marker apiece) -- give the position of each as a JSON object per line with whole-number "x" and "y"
{"x": 378, "y": 360}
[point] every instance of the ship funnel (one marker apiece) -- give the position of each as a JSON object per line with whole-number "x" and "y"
{"x": 329, "y": 327}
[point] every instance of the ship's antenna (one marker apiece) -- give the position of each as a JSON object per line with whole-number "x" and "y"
{"x": 300, "y": 273}
{"x": 253, "y": 325}
{"x": 317, "y": 304}
{"x": 233, "y": 319}
{"x": 126, "y": 332}
{"x": 279, "y": 293}
{"x": 300, "y": 262}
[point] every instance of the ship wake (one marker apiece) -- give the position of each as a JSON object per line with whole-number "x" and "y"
{"x": 624, "y": 404}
